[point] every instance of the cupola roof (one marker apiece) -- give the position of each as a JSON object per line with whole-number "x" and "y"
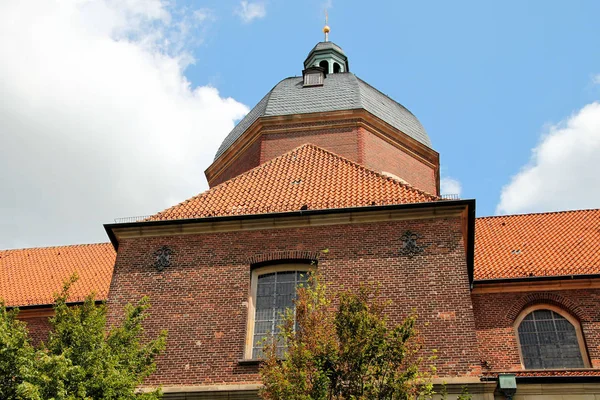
{"x": 327, "y": 51}
{"x": 339, "y": 91}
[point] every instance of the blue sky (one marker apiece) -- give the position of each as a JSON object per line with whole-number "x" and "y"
{"x": 115, "y": 108}
{"x": 485, "y": 78}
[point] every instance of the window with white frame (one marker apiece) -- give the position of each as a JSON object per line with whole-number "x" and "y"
{"x": 273, "y": 291}
{"x": 550, "y": 338}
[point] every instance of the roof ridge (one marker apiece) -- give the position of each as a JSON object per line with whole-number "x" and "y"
{"x": 383, "y": 94}
{"x": 227, "y": 182}
{"x": 539, "y": 213}
{"x": 359, "y": 97}
{"x": 56, "y": 247}
{"x": 267, "y": 97}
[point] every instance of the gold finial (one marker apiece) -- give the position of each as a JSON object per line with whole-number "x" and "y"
{"x": 326, "y": 28}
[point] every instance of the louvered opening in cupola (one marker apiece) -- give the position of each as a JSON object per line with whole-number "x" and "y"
{"x": 313, "y": 76}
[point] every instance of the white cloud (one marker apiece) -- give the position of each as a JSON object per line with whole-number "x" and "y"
{"x": 96, "y": 117}
{"x": 563, "y": 172}
{"x": 249, "y": 11}
{"x": 450, "y": 186}
{"x": 596, "y": 79}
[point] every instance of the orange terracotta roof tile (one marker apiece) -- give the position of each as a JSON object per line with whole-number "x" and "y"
{"x": 307, "y": 177}
{"x": 538, "y": 245}
{"x": 32, "y": 276}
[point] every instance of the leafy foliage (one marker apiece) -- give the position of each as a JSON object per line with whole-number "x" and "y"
{"x": 16, "y": 354}
{"x": 342, "y": 351}
{"x": 80, "y": 360}
{"x": 464, "y": 393}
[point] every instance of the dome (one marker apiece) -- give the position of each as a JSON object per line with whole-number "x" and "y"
{"x": 340, "y": 91}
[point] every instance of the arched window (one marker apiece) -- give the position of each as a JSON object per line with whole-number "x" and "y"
{"x": 336, "y": 68}
{"x": 325, "y": 65}
{"x": 549, "y": 338}
{"x": 273, "y": 290}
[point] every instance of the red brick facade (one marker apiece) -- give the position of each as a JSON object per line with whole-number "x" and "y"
{"x": 383, "y": 156}
{"x": 202, "y": 298}
{"x": 38, "y": 327}
{"x": 495, "y": 315}
{"x": 342, "y": 141}
{"x": 246, "y": 161}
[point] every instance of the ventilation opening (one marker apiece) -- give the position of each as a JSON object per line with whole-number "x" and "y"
{"x": 325, "y": 65}
{"x": 336, "y": 68}
{"x": 313, "y": 76}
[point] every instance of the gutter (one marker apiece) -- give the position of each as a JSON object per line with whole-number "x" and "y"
{"x": 50, "y": 306}
{"x": 526, "y": 279}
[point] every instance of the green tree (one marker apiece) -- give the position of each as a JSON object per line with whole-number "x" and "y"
{"x": 16, "y": 353}
{"x": 81, "y": 360}
{"x": 344, "y": 347}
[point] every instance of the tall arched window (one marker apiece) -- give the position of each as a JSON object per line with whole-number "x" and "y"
{"x": 549, "y": 338}
{"x": 273, "y": 290}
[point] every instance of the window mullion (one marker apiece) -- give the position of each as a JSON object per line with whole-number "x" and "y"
{"x": 274, "y": 308}
{"x": 537, "y": 340}
{"x": 561, "y": 356}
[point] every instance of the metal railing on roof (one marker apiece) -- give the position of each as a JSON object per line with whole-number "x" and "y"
{"x": 450, "y": 196}
{"x": 125, "y": 220}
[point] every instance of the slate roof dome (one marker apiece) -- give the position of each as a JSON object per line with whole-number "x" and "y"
{"x": 337, "y": 89}
{"x": 341, "y": 91}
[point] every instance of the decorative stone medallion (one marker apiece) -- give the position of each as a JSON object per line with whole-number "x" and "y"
{"x": 163, "y": 258}
{"x": 410, "y": 247}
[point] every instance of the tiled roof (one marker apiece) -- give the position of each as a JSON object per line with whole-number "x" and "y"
{"x": 343, "y": 91}
{"x": 32, "y": 276}
{"x": 537, "y": 245}
{"x": 307, "y": 177}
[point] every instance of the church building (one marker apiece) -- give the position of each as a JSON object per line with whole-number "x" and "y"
{"x": 328, "y": 173}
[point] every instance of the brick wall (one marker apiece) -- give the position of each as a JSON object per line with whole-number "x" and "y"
{"x": 202, "y": 298}
{"x": 39, "y": 328}
{"x": 247, "y": 160}
{"x": 350, "y": 141}
{"x": 495, "y": 314}
{"x": 383, "y": 156}
{"x": 342, "y": 141}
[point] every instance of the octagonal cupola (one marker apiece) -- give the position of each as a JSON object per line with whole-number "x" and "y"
{"x": 328, "y": 56}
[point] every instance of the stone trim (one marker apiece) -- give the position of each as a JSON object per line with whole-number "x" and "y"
{"x": 291, "y": 219}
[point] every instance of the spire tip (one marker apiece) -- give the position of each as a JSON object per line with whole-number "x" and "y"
{"x": 326, "y": 28}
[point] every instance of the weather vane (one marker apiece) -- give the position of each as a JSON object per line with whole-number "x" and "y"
{"x": 326, "y": 28}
